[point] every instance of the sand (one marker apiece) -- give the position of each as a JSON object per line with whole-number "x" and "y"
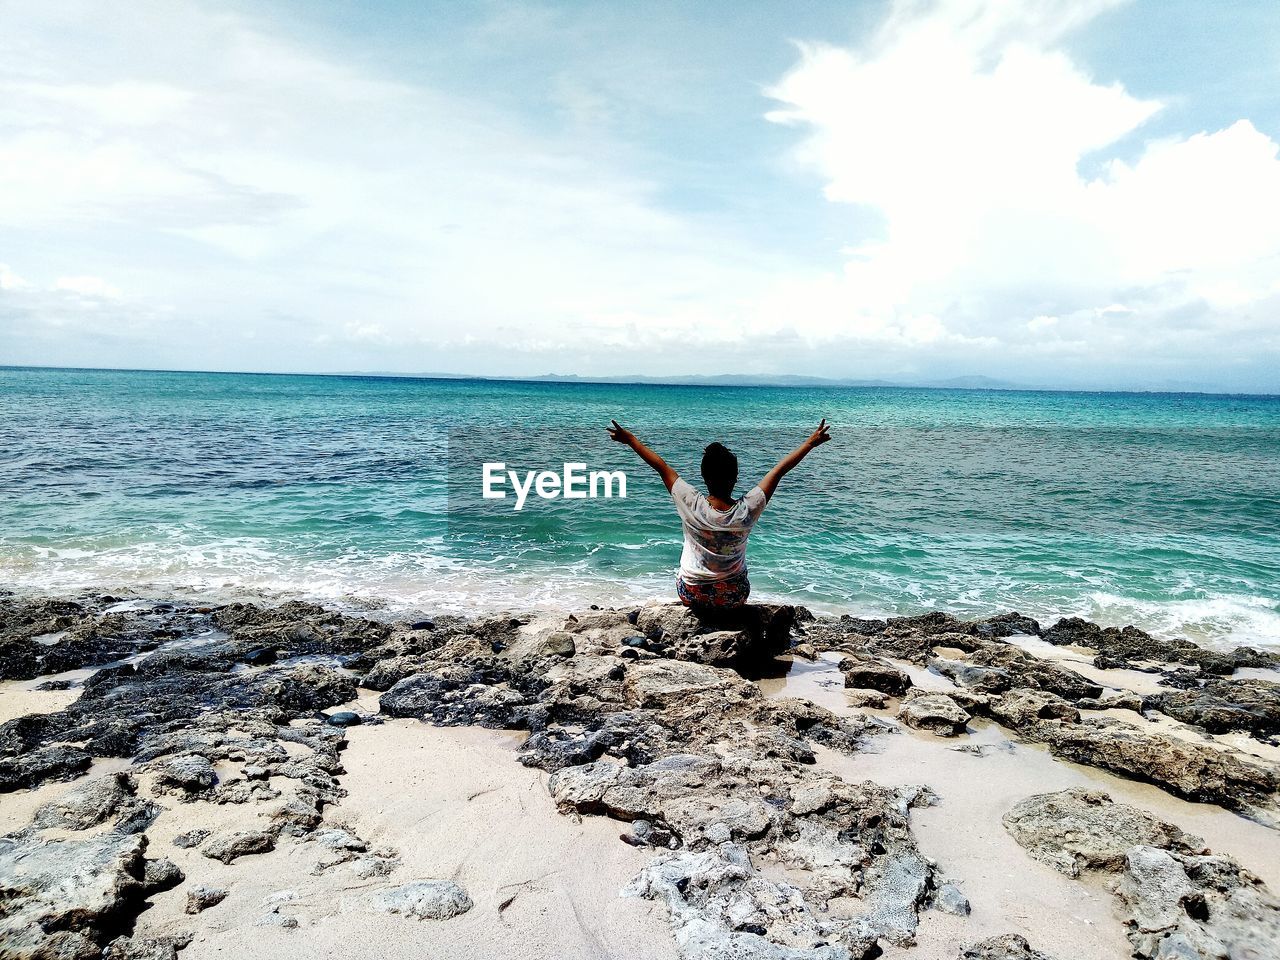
{"x": 456, "y": 805}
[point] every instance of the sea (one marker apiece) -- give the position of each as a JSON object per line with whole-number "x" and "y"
{"x": 1158, "y": 510}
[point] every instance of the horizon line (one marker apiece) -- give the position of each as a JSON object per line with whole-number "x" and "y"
{"x": 643, "y": 380}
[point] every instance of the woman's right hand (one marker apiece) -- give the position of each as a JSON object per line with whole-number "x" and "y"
{"x": 819, "y": 436}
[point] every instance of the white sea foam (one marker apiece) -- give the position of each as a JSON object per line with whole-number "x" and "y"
{"x": 426, "y": 581}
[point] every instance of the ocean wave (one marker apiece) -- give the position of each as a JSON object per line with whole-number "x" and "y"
{"x": 407, "y": 581}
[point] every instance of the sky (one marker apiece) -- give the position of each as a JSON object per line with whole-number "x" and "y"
{"x": 1071, "y": 193}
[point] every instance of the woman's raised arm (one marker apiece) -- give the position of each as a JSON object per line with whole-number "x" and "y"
{"x": 787, "y": 463}
{"x": 623, "y": 435}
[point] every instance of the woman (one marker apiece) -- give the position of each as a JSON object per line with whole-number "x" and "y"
{"x": 713, "y": 565}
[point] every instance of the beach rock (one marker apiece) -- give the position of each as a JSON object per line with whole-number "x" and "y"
{"x": 751, "y": 634}
{"x": 424, "y": 900}
{"x": 305, "y": 688}
{"x": 935, "y": 712}
{"x": 186, "y": 774}
{"x": 871, "y": 673}
{"x": 658, "y": 684}
{"x": 274, "y": 918}
{"x": 1189, "y": 770}
{"x": 667, "y": 621}
{"x": 1021, "y": 708}
{"x": 192, "y": 838}
{"x": 928, "y": 624}
{"x": 717, "y": 648}
{"x": 242, "y": 843}
{"x": 1076, "y": 830}
{"x": 983, "y": 679}
{"x": 559, "y": 644}
{"x": 949, "y": 899}
{"x": 1008, "y": 946}
{"x": 201, "y": 898}
{"x": 1221, "y": 706}
{"x": 387, "y": 672}
{"x": 147, "y": 948}
{"x": 1203, "y": 907}
{"x": 1176, "y": 899}
{"x": 60, "y": 899}
{"x": 1131, "y": 647}
{"x": 44, "y": 636}
{"x": 456, "y": 696}
{"x": 1030, "y": 671}
{"x": 867, "y": 698}
{"x": 46, "y": 763}
{"x": 1117, "y": 701}
{"x": 1006, "y": 625}
{"x": 720, "y": 906}
{"x": 98, "y": 801}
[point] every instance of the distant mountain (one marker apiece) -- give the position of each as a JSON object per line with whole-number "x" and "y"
{"x": 722, "y": 380}
{"x": 781, "y": 380}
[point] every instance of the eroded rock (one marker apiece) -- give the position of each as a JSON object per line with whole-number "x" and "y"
{"x": 424, "y": 900}
{"x": 935, "y": 712}
{"x": 1076, "y": 830}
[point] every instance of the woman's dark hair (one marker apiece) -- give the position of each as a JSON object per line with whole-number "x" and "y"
{"x": 719, "y": 470}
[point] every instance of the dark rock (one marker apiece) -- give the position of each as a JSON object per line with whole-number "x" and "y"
{"x": 949, "y": 899}
{"x": 1006, "y": 625}
{"x": 46, "y": 763}
{"x": 983, "y": 679}
{"x": 871, "y": 673}
{"x": 1021, "y": 708}
{"x": 161, "y": 875}
{"x": 866, "y": 628}
{"x": 459, "y": 697}
{"x": 147, "y": 948}
{"x": 1221, "y": 706}
{"x": 1131, "y": 647}
{"x": 1030, "y": 671}
{"x": 343, "y": 718}
{"x": 1178, "y": 905}
{"x": 189, "y": 773}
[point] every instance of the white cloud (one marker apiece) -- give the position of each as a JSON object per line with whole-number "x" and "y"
{"x": 87, "y": 286}
{"x": 242, "y": 185}
{"x": 10, "y": 280}
{"x": 965, "y": 126}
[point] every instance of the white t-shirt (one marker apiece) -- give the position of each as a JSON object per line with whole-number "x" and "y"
{"x": 715, "y": 541}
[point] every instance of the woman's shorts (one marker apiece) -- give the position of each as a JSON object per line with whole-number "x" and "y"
{"x": 716, "y": 595}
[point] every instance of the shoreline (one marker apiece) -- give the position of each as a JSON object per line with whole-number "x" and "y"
{"x": 388, "y": 604}
{"x": 786, "y": 785}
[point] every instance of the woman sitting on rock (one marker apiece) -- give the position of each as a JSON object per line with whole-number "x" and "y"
{"x": 713, "y": 566}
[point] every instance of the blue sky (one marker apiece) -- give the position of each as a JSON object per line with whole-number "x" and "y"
{"x": 1070, "y": 193}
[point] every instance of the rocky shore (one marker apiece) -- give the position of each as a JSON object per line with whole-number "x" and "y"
{"x": 204, "y": 779}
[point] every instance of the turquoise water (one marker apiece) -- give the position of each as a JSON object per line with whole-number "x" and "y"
{"x": 1161, "y": 510}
